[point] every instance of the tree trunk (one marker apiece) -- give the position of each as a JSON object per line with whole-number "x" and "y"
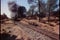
{"x": 39, "y": 9}
{"x": 49, "y": 15}
{"x": 32, "y": 11}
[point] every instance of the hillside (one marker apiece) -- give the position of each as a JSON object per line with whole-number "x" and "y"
{"x": 8, "y": 27}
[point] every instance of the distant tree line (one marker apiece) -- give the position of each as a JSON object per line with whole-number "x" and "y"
{"x": 43, "y": 8}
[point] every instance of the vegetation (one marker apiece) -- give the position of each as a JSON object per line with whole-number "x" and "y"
{"x": 43, "y": 7}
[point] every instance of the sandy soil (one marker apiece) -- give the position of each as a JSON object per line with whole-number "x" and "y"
{"x": 9, "y": 28}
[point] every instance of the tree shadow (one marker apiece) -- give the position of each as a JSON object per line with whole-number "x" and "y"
{"x": 5, "y": 36}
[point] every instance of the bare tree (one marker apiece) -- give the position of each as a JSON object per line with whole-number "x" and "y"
{"x": 39, "y": 4}
{"x": 44, "y": 7}
{"x": 51, "y": 5}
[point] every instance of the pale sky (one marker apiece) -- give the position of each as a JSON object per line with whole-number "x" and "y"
{"x": 4, "y": 5}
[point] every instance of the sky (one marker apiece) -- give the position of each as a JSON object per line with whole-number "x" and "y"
{"x": 4, "y": 5}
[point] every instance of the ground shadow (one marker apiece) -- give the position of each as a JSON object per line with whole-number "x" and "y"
{"x": 5, "y": 36}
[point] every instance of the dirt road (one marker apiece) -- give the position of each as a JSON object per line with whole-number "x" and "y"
{"x": 29, "y": 31}
{"x": 37, "y": 33}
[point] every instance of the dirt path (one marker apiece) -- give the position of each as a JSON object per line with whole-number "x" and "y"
{"x": 37, "y": 34}
{"x": 29, "y": 31}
